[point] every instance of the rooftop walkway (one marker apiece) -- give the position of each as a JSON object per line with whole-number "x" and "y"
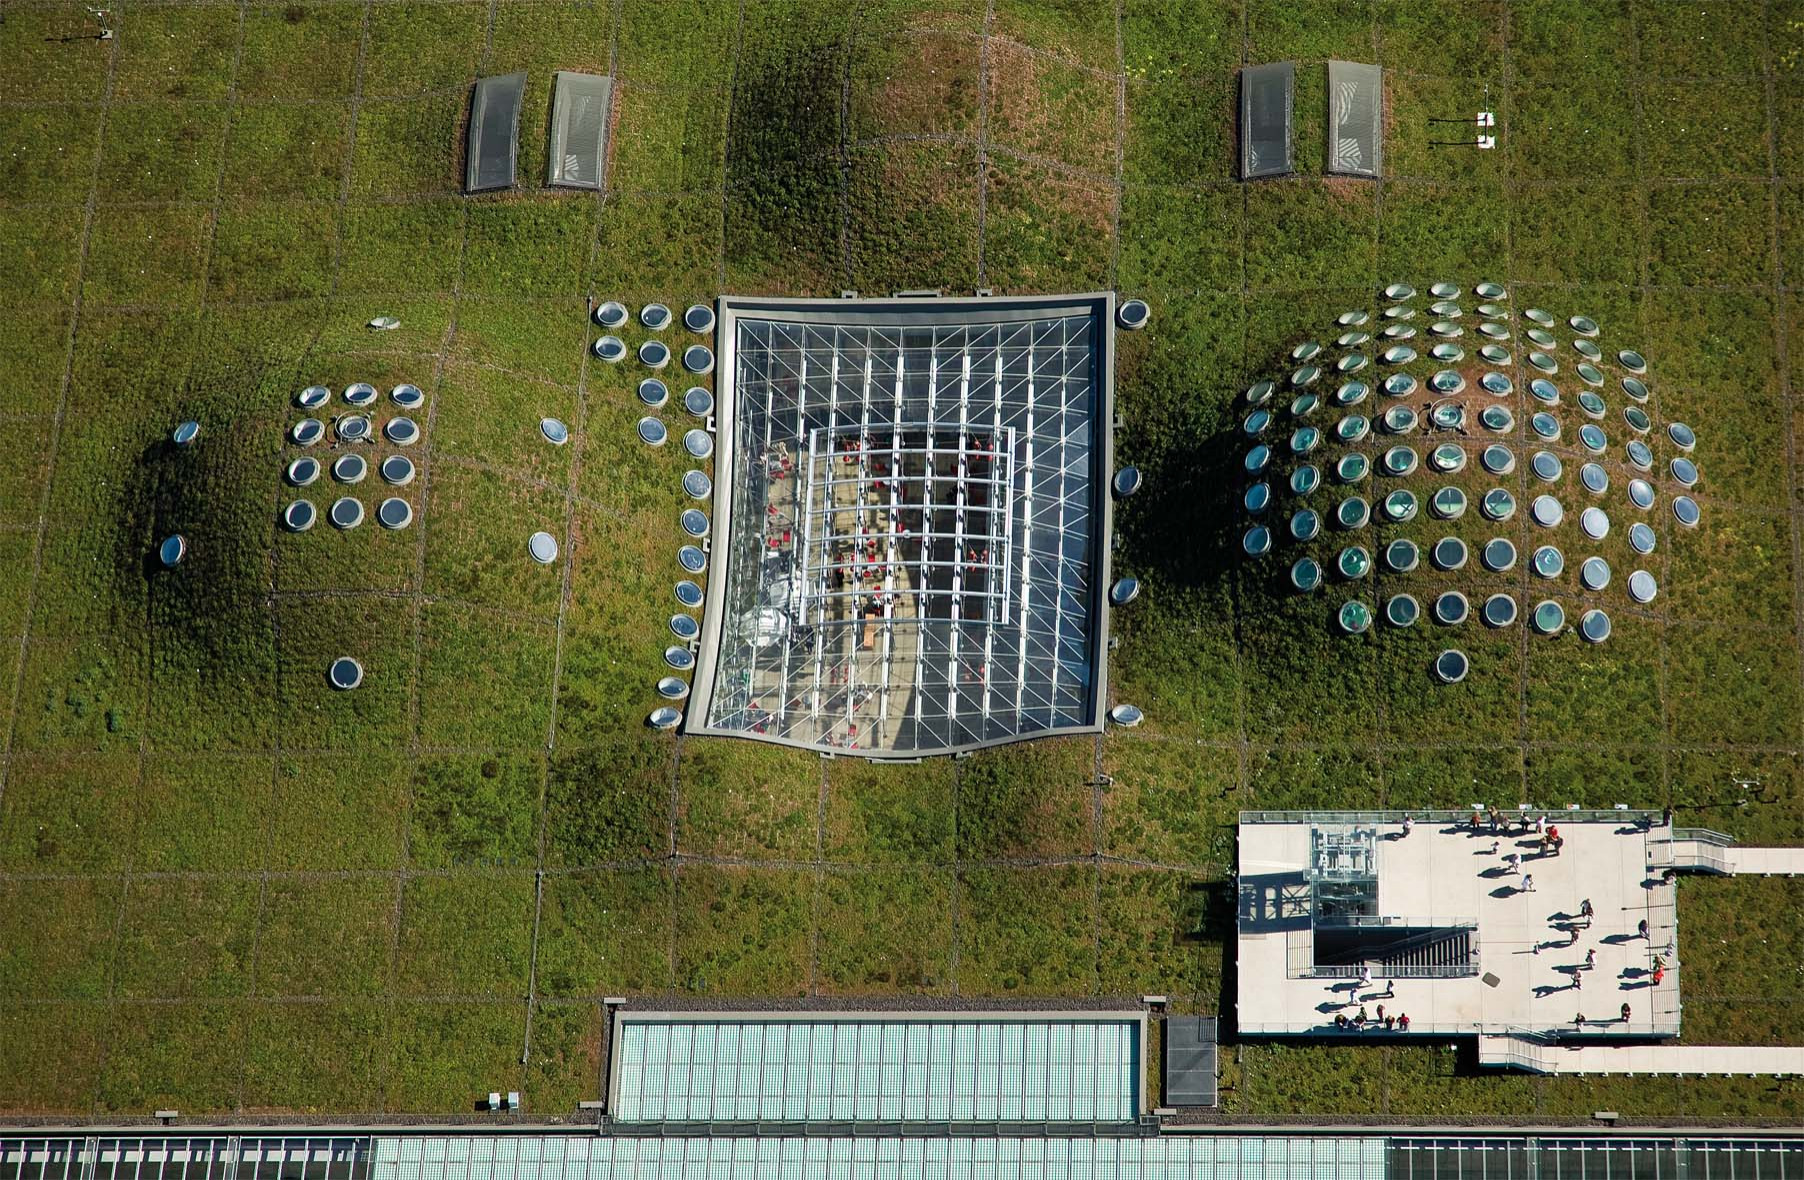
{"x": 1516, "y": 1052}
{"x": 1712, "y": 852}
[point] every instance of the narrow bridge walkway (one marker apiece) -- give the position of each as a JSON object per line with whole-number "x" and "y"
{"x": 1517, "y": 1053}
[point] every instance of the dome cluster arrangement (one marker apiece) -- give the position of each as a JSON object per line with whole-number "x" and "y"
{"x": 698, "y": 444}
{"x": 354, "y": 428}
{"x": 1361, "y": 459}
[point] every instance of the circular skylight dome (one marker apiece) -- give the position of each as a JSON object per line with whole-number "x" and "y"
{"x": 698, "y": 358}
{"x": 652, "y": 432}
{"x": 346, "y": 513}
{"x": 697, "y": 485}
{"x": 299, "y": 516}
{"x": 360, "y": 393}
{"x": 653, "y": 392}
{"x": 394, "y": 513}
{"x": 654, "y": 354}
{"x": 1133, "y": 314}
{"x": 313, "y": 397}
{"x": 307, "y": 431}
{"x": 555, "y": 432}
{"x": 350, "y": 468}
{"x": 302, "y": 471}
{"x": 408, "y": 397}
{"x": 655, "y": 317}
{"x": 542, "y": 547}
{"x": 609, "y": 348}
{"x": 699, "y": 317}
{"x": 352, "y": 428}
{"x": 699, "y": 443}
{"x": 397, "y": 470}
{"x": 344, "y": 673}
{"x": 611, "y": 314}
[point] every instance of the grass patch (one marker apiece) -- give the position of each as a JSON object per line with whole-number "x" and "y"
{"x": 423, "y": 47}
{"x": 668, "y": 141}
{"x": 69, "y": 814}
{"x": 1309, "y": 234}
{"x": 912, "y": 217}
{"x": 400, "y": 248}
{"x": 436, "y": 1049}
{"x": 605, "y": 933}
{"x": 485, "y": 679}
{"x": 566, "y": 1057}
{"x": 376, "y": 632}
{"x": 609, "y": 802}
{"x": 886, "y": 933}
{"x": 889, "y": 815}
{"x": 314, "y": 1058}
{"x": 475, "y": 810}
{"x": 1171, "y": 802}
{"x": 168, "y": 1055}
{"x": 277, "y": 150}
{"x": 186, "y": 938}
{"x": 1175, "y": 38}
{"x": 263, "y": 252}
{"x": 1704, "y": 129}
{"x": 210, "y": 813}
{"x": 743, "y": 932}
{"x": 1028, "y": 801}
{"x": 59, "y": 173}
{"x": 1182, "y": 132}
{"x": 325, "y": 938}
{"x": 464, "y": 936}
{"x": 155, "y": 149}
{"x": 176, "y": 52}
{"x": 409, "y": 147}
{"x": 56, "y": 937}
{"x": 299, "y": 50}
{"x": 42, "y": 253}
{"x": 746, "y": 799}
{"x": 149, "y": 257}
{"x": 1027, "y": 932}
{"x": 1703, "y": 235}
{"x": 465, "y": 556}
{"x": 338, "y": 813}
{"x": 1150, "y": 935}
{"x": 1046, "y": 230}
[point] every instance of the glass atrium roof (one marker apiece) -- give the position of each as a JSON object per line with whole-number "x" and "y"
{"x": 911, "y": 519}
{"x": 877, "y": 1068}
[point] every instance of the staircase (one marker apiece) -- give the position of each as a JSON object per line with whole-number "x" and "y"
{"x": 1432, "y": 948}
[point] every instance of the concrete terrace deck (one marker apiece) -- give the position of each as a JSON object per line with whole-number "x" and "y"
{"x": 1444, "y": 872}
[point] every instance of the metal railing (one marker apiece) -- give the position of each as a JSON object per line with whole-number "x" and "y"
{"x": 1442, "y": 971}
{"x": 1555, "y": 815}
{"x": 1381, "y": 920}
{"x": 1704, "y": 836}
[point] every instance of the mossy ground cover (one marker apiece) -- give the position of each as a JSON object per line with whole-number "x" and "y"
{"x": 229, "y": 889}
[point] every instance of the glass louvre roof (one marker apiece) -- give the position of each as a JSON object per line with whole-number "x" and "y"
{"x": 587, "y": 1156}
{"x": 910, "y": 522}
{"x": 876, "y": 1068}
{"x": 1193, "y": 1157}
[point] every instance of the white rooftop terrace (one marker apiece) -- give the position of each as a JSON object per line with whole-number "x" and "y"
{"x": 1530, "y": 974}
